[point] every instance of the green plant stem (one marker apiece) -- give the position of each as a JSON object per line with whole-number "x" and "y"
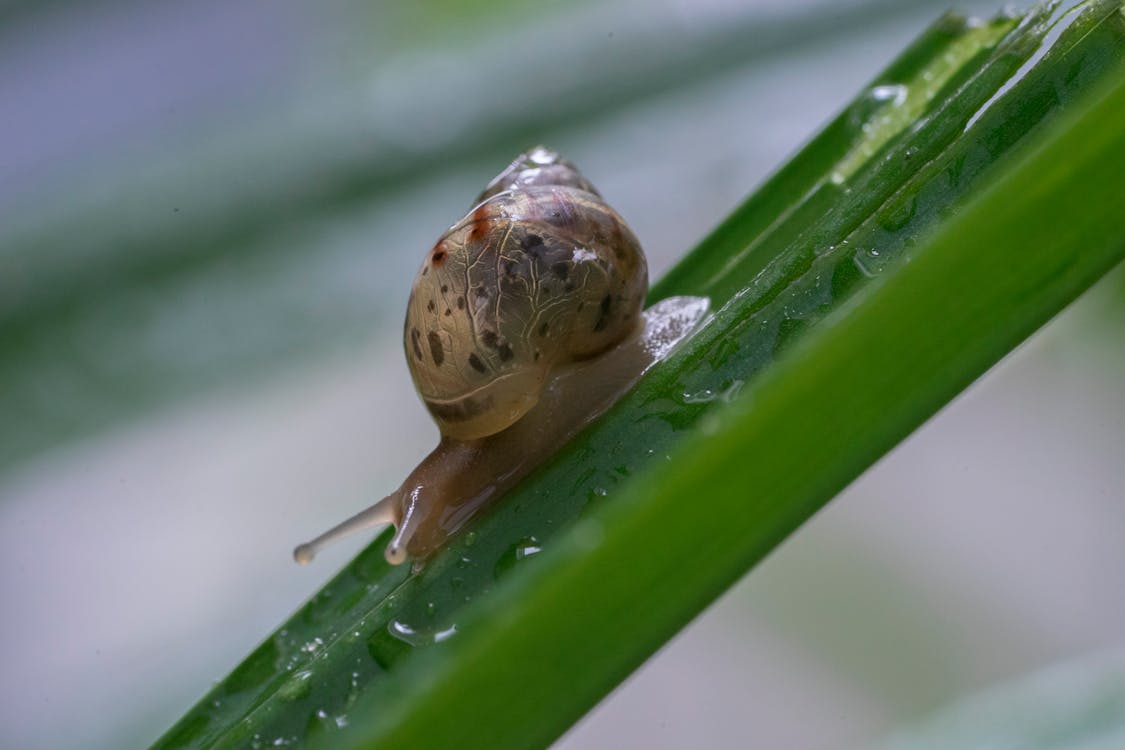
{"x": 871, "y": 374}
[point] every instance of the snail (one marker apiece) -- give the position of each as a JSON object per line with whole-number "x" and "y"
{"x": 524, "y": 324}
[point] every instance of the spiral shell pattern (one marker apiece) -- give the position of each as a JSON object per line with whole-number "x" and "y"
{"x": 541, "y": 272}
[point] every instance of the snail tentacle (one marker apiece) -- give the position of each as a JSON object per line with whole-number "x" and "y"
{"x": 381, "y": 513}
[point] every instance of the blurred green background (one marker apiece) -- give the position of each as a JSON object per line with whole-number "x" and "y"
{"x": 209, "y": 219}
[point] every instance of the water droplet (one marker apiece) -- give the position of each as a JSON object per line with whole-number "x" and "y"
{"x": 527, "y": 547}
{"x": 385, "y": 648}
{"x": 297, "y": 686}
{"x": 707, "y": 395}
{"x": 898, "y": 214}
{"x": 402, "y": 631}
{"x": 863, "y": 267}
{"x": 699, "y": 397}
{"x": 894, "y": 93}
{"x": 417, "y": 637}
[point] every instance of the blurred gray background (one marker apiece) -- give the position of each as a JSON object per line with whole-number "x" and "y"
{"x": 209, "y": 218}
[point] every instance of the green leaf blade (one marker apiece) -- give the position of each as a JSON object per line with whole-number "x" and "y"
{"x": 562, "y": 616}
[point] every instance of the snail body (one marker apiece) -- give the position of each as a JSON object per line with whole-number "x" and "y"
{"x": 524, "y": 324}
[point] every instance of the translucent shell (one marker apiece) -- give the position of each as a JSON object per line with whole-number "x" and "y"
{"x": 540, "y": 273}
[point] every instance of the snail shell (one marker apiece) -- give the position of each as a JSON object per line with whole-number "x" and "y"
{"x": 524, "y": 324}
{"x": 541, "y": 272}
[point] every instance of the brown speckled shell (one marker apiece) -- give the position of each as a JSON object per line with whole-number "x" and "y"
{"x": 540, "y": 273}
